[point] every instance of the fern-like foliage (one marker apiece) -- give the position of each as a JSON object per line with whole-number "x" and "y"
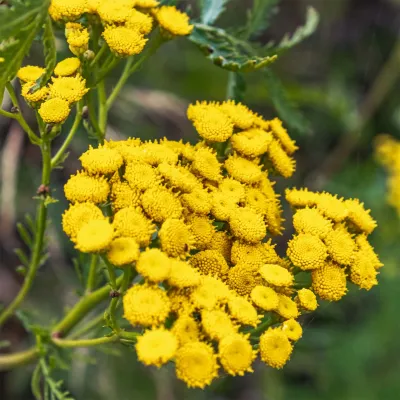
{"x": 211, "y": 10}
{"x": 259, "y": 17}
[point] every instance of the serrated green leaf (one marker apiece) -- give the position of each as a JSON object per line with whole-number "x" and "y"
{"x": 286, "y": 110}
{"x": 22, "y": 256}
{"x": 22, "y": 270}
{"x": 50, "y": 200}
{"x": 226, "y": 51}
{"x": 30, "y": 223}
{"x": 259, "y": 16}
{"x": 211, "y": 10}
{"x": 19, "y": 25}
{"x": 25, "y": 235}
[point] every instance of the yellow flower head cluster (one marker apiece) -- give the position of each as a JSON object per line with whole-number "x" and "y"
{"x": 388, "y": 154}
{"x": 195, "y": 223}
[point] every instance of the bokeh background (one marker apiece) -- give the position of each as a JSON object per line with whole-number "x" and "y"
{"x": 344, "y": 79}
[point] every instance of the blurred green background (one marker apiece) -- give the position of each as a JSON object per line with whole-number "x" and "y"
{"x": 344, "y": 79}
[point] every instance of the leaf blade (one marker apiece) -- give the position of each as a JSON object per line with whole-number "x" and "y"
{"x": 211, "y": 10}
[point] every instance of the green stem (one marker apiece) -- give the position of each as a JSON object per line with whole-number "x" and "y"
{"x": 9, "y": 361}
{"x": 111, "y": 273}
{"x": 102, "y": 97}
{"x": 93, "y": 115}
{"x": 61, "y": 151}
{"x": 98, "y": 56}
{"x": 84, "y": 305}
{"x": 91, "y": 281}
{"x": 87, "y": 327}
{"x": 39, "y": 238}
{"x": 262, "y": 327}
{"x": 85, "y": 342}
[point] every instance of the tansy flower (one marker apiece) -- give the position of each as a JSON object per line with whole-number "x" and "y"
{"x": 36, "y": 96}
{"x": 67, "y": 67}
{"x": 359, "y": 216}
{"x": 232, "y": 189}
{"x": 154, "y": 265}
{"x": 94, "y": 236}
{"x": 241, "y": 116}
{"x": 115, "y": 12}
{"x": 68, "y": 88}
{"x": 243, "y": 170}
{"x": 156, "y": 347}
{"x": 179, "y": 177}
{"x": 92, "y": 5}
{"x": 123, "y": 251}
{"x": 363, "y": 272}
{"x": 67, "y": 10}
{"x": 307, "y": 251}
{"x": 301, "y": 197}
{"x": 287, "y": 308}
{"x": 124, "y": 41}
{"x": 81, "y": 188}
{"x": 217, "y": 324}
{"x": 329, "y": 282}
{"x": 222, "y": 243}
{"x": 292, "y": 329}
{"x": 180, "y": 303}
{"x": 254, "y": 254}
{"x": 236, "y": 354}
{"x": 175, "y": 237}
{"x": 209, "y": 293}
{"x": 276, "y": 275}
{"x": 275, "y": 348}
{"x": 281, "y": 134}
{"x": 182, "y": 275}
{"x": 54, "y": 111}
{"x": 332, "y": 207}
{"x": 140, "y": 21}
{"x": 101, "y": 160}
{"x": 251, "y": 143}
{"x": 265, "y": 298}
{"x": 123, "y": 196}
{"x": 196, "y": 364}
{"x": 243, "y": 279}
{"x": 77, "y": 37}
{"x": 222, "y": 206}
{"x": 310, "y": 220}
{"x": 257, "y": 201}
{"x": 30, "y": 73}
{"x": 130, "y": 222}
{"x": 210, "y": 262}
{"x": 266, "y": 187}
{"x": 198, "y": 201}
{"x": 202, "y": 230}
{"x": 146, "y": 305}
{"x": 306, "y": 299}
{"x": 242, "y": 311}
{"x": 186, "y": 329}
{"x": 146, "y": 3}
{"x": 341, "y": 246}
{"x": 206, "y": 164}
{"x": 156, "y": 153}
{"x": 140, "y": 176}
{"x": 273, "y": 217}
{"x": 247, "y": 225}
{"x": 77, "y": 215}
{"x": 173, "y": 20}
{"x": 281, "y": 161}
{"x": 367, "y": 250}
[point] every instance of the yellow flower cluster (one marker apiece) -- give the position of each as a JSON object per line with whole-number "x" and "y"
{"x": 388, "y": 154}
{"x": 195, "y": 223}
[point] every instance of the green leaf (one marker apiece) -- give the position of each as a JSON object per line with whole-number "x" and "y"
{"x": 286, "y": 110}
{"x": 226, "y": 51}
{"x": 236, "y": 86}
{"x": 22, "y": 257}
{"x": 259, "y": 16}
{"x": 25, "y": 235}
{"x": 35, "y": 382}
{"x": 301, "y": 33}
{"x": 19, "y": 25}
{"x": 211, "y": 10}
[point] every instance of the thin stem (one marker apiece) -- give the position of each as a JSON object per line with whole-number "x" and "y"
{"x": 85, "y": 342}
{"x": 61, "y": 151}
{"x": 9, "y": 361}
{"x": 93, "y": 115}
{"x": 98, "y": 56}
{"x": 111, "y": 273}
{"x": 262, "y": 327}
{"x": 88, "y": 326}
{"x": 102, "y": 97}
{"x": 91, "y": 281}
{"x": 13, "y": 96}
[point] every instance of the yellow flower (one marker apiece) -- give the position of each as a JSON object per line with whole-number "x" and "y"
{"x": 217, "y": 324}
{"x": 282, "y": 162}
{"x": 115, "y": 12}
{"x": 186, "y": 329}
{"x": 251, "y": 143}
{"x": 254, "y": 254}
{"x": 77, "y": 215}
{"x": 196, "y": 364}
{"x": 287, "y": 308}
{"x": 30, "y": 73}
{"x": 243, "y": 279}
{"x": 123, "y": 251}
{"x": 130, "y": 222}
{"x": 146, "y": 305}
{"x": 77, "y": 37}
{"x": 124, "y": 41}
{"x": 68, "y": 88}
{"x": 242, "y": 311}
{"x": 332, "y": 207}
{"x": 179, "y": 177}
{"x": 301, "y": 197}
{"x": 205, "y": 163}
{"x": 247, "y": 225}
{"x": 146, "y": 3}
{"x": 236, "y": 354}
{"x": 362, "y": 272}
{"x": 54, "y": 111}
{"x": 36, "y": 96}
{"x": 341, "y": 246}
{"x": 222, "y": 243}
{"x": 359, "y": 216}
{"x": 329, "y": 282}
{"x": 243, "y": 170}
{"x": 156, "y": 347}
{"x": 210, "y": 262}
{"x": 173, "y": 20}
{"x": 292, "y": 329}
{"x": 282, "y": 135}
{"x": 140, "y": 21}
{"x": 310, "y": 220}
{"x": 175, "y": 237}
{"x": 155, "y": 153}
{"x": 257, "y": 201}
{"x": 141, "y": 176}
{"x": 273, "y": 217}
{"x": 266, "y": 187}
{"x": 307, "y": 251}
{"x": 182, "y": 275}
{"x": 180, "y": 303}
{"x": 276, "y": 275}
{"x": 160, "y": 204}
{"x": 306, "y": 299}
{"x": 198, "y": 201}
{"x": 265, "y": 298}
{"x": 81, "y": 188}
{"x": 202, "y": 230}
{"x": 123, "y": 196}
{"x": 101, "y": 160}
{"x": 367, "y": 250}
{"x": 275, "y": 348}
{"x": 222, "y": 206}
{"x": 92, "y": 6}
{"x": 232, "y": 189}
{"x": 94, "y": 236}
{"x": 154, "y": 265}
{"x": 241, "y": 116}
{"x": 67, "y": 10}
{"x": 67, "y": 67}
